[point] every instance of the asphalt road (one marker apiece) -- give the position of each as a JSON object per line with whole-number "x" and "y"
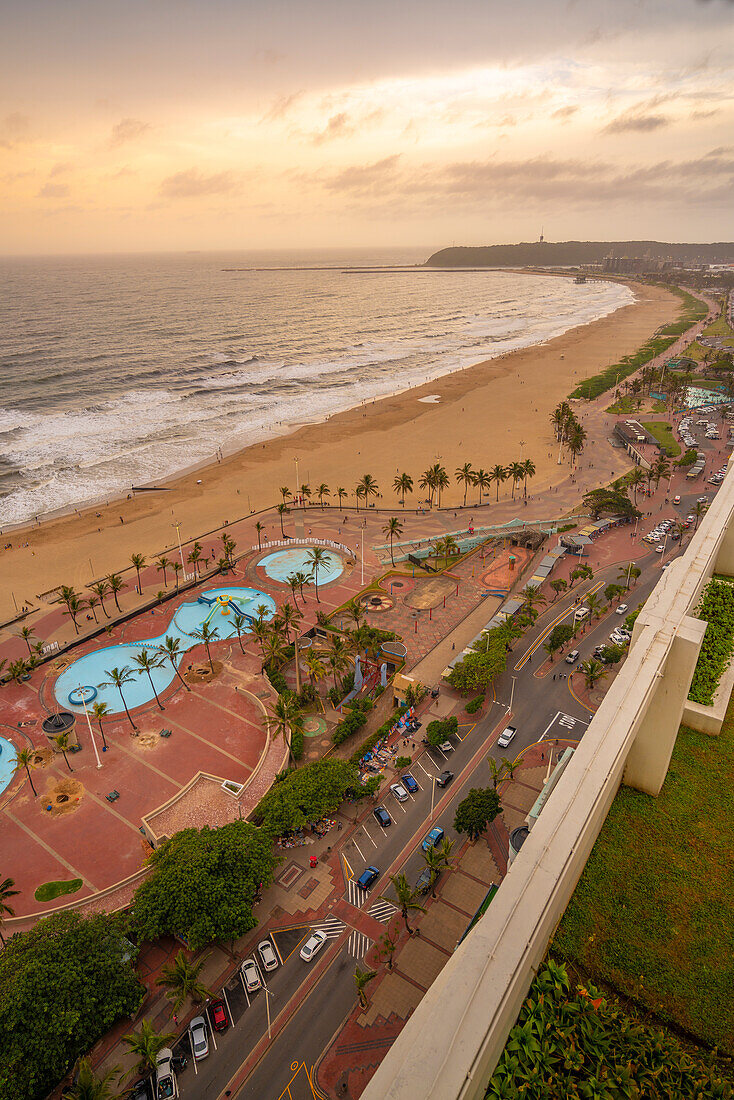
{"x": 541, "y": 708}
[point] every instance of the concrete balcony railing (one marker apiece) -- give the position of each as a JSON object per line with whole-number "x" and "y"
{"x": 454, "y": 1039}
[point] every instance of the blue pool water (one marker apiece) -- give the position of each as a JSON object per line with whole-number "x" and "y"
{"x": 280, "y": 565}
{"x": 7, "y": 762}
{"x": 91, "y": 670}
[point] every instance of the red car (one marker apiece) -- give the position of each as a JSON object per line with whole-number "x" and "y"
{"x": 218, "y": 1015}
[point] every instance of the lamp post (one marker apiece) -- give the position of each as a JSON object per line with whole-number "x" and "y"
{"x": 362, "y": 556}
{"x": 267, "y": 1006}
{"x": 512, "y": 695}
{"x": 177, "y": 525}
{"x": 295, "y": 495}
{"x": 433, "y": 792}
{"x": 89, "y": 724}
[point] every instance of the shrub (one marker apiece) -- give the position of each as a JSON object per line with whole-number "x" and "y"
{"x": 277, "y": 679}
{"x": 369, "y": 743}
{"x": 403, "y": 761}
{"x": 474, "y": 705}
{"x": 353, "y": 721}
{"x": 717, "y": 609}
{"x": 688, "y": 458}
{"x": 297, "y": 744}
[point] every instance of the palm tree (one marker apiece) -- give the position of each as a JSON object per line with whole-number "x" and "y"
{"x": 302, "y": 579}
{"x": 261, "y": 631}
{"x": 516, "y": 473}
{"x": 92, "y": 605}
{"x": 148, "y": 662}
{"x": 321, "y": 492}
{"x": 434, "y": 863}
{"x": 306, "y": 493}
{"x": 482, "y": 480}
{"x": 594, "y": 604}
{"x": 259, "y": 527}
{"x": 182, "y": 979}
{"x": 228, "y": 547}
{"x": 317, "y": 559}
{"x": 291, "y": 617}
{"x": 207, "y": 635}
{"x": 138, "y": 561}
{"x": 147, "y": 1045}
{"x": 100, "y": 711}
{"x": 26, "y": 634}
{"x": 361, "y": 978}
{"x": 403, "y": 483}
{"x": 170, "y": 651}
{"x": 194, "y": 558}
{"x": 116, "y": 584}
{"x": 90, "y": 1087}
{"x": 24, "y": 758}
{"x": 529, "y": 471}
{"x": 341, "y": 492}
{"x": 635, "y": 480}
{"x": 465, "y": 474}
{"x": 118, "y": 677}
{"x": 286, "y": 717}
{"x": 62, "y": 744}
{"x": 273, "y": 646}
{"x": 532, "y": 596}
{"x": 428, "y": 481}
{"x": 100, "y": 589}
{"x": 393, "y": 528}
{"x": 316, "y": 668}
{"x": 593, "y": 671}
{"x": 441, "y": 480}
{"x": 285, "y": 493}
{"x": 498, "y": 474}
{"x": 239, "y": 622}
{"x": 338, "y": 656}
{"x": 628, "y": 574}
{"x": 18, "y": 670}
{"x": 282, "y": 510}
{"x": 74, "y": 605}
{"x": 292, "y": 580}
{"x": 406, "y": 899}
{"x": 177, "y": 570}
{"x": 368, "y": 488}
{"x": 6, "y": 891}
{"x": 355, "y": 611}
{"x": 698, "y": 511}
{"x": 576, "y": 440}
{"x": 161, "y": 565}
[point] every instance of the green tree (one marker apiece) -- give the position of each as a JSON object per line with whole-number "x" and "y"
{"x": 285, "y": 493}
{"x": 321, "y": 492}
{"x": 6, "y": 891}
{"x": 259, "y": 527}
{"x": 207, "y": 635}
{"x": 361, "y": 978}
{"x": 100, "y": 711}
{"x": 286, "y": 719}
{"x": 394, "y": 529}
{"x": 403, "y": 484}
{"x": 24, "y": 758}
{"x": 116, "y": 584}
{"x": 63, "y": 744}
{"x": 592, "y": 671}
{"x": 118, "y": 677}
{"x": 101, "y": 589}
{"x": 171, "y": 651}
{"x": 282, "y": 510}
{"x": 90, "y": 1087}
{"x": 478, "y": 810}
{"x": 341, "y": 493}
{"x": 386, "y": 947}
{"x": 498, "y": 474}
{"x": 478, "y": 669}
{"x": 528, "y": 471}
{"x": 204, "y": 883}
{"x": 26, "y": 634}
{"x": 317, "y": 559}
{"x": 146, "y": 1045}
{"x": 465, "y": 475}
{"x": 306, "y": 795}
{"x": 182, "y": 979}
{"x": 483, "y": 481}
{"x": 613, "y": 592}
{"x": 406, "y": 899}
{"x": 532, "y": 595}
{"x": 148, "y": 661}
{"x": 613, "y": 501}
{"x": 558, "y": 587}
{"x": 138, "y": 561}
{"x": 162, "y": 564}
{"x": 84, "y": 968}
{"x": 516, "y": 473}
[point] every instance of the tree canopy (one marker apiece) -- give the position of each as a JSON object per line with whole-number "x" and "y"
{"x": 305, "y": 795}
{"x": 478, "y": 669}
{"x": 476, "y": 811}
{"x": 204, "y": 884}
{"x": 63, "y": 984}
{"x": 559, "y": 635}
{"x": 614, "y": 501}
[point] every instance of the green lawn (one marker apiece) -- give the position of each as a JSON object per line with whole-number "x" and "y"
{"x": 664, "y": 435}
{"x": 653, "y": 913}
{"x": 50, "y": 890}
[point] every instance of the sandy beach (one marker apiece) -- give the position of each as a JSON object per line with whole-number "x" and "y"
{"x": 482, "y": 416}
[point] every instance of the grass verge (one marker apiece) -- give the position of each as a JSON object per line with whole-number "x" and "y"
{"x": 50, "y": 890}
{"x": 664, "y": 435}
{"x": 653, "y": 912}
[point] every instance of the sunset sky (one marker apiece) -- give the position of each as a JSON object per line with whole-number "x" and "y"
{"x": 212, "y": 124}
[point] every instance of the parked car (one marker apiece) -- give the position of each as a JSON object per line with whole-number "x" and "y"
{"x": 368, "y": 877}
{"x": 199, "y": 1038}
{"x": 444, "y": 779}
{"x": 400, "y": 792}
{"x": 409, "y": 783}
{"x": 218, "y": 1015}
{"x": 313, "y": 945}
{"x": 621, "y": 609}
{"x": 446, "y": 746}
{"x": 581, "y": 613}
{"x": 423, "y": 885}
{"x": 433, "y": 839}
{"x": 676, "y": 499}
{"x": 251, "y": 976}
{"x": 382, "y": 816}
{"x": 268, "y": 956}
{"x": 166, "y": 1086}
{"x": 572, "y": 657}
{"x": 506, "y": 736}
{"x": 142, "y": 1091}
{"x": 659, "y": 549}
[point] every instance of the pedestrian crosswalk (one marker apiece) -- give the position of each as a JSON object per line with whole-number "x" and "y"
{"x": 383, "y": 911}
{"x": 355, "y": 896}
{"x": 358, "y": 945}
{"x": 332, "y": 926}
{"x": 567, "y": 720}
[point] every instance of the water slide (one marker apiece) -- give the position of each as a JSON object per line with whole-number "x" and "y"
{"x": 232, "y": 603}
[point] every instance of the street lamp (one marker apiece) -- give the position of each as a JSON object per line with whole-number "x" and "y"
{"x": 86, "y": 715}
{"x": 177, "y": 525}
{"x": 512, "y": 695}
{"x": 268, "y": 995}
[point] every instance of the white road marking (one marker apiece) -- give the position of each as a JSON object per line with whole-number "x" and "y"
{"x": 428, "y": 774}
{"x": 332, "y": 926}
{"x": 354, "y": 894}
{"x": 545, "y": 731}
{"x": 229, "y": 1010}
{"x": 364, "y": 858}
{"x": 383, "y": 911}
{"x": 358, "y": 945}
{"x": 372, "y": 842}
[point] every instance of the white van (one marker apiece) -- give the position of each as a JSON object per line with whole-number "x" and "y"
{"x": 580, "y": 614}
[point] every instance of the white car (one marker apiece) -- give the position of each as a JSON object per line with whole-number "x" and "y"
{"x": 618, "y": 639}
{"x": 199, "y": 1038}
{"x": 313, "y": 945}
{"x": 622, "y": 609}
{"x": 268, "y": 958}
{"x": 251, "y": 976}
{"x": 506, "y": 736}
{"x": 400, "y": 792}
{"x": 165, "y": 1078}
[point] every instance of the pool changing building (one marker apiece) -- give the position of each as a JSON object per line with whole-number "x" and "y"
{"x": 450, "y": 1045}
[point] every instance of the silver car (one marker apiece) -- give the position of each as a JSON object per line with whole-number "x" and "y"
{"x": 268, "y": 958}
{"x": 199, "y": 1037}
{"x": 251, "y": 975}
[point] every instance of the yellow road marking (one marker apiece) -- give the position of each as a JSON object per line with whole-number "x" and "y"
{"x": 559, "y": 618}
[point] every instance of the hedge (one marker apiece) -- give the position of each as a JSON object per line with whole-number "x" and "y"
{"x": 355, "y": 718}
{"x": 474, "y": 705}
{"x": 297, "y": 744}
{"x": 717, "y": 609}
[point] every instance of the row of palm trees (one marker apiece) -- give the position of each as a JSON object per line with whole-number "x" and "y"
{"x": 568, "y": 430}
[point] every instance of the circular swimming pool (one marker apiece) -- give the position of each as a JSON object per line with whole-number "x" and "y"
{"x": 7, "y": 762}
{"x": 283, "y": 563}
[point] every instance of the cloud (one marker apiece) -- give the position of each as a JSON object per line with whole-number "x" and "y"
{"x": 338, "y": 126}
{"x": 192, "y": 184}
{"x": 53, "y": 191}
{"x": 281, "y": 106}
{"x": 59, "y": 170}
{"x": 365, "y": 178}
{"x": 127, "y": 129}
{"x": 564, "y": 113}
{"x": 13, "y": 128}
{"x": 643, "y": 124}
{"x": 700, "y": 115}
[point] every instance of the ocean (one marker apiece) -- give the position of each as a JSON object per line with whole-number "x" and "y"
{"x": 123, "y": 370}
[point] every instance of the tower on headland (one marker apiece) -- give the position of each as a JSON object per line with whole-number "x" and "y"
{"x": 541, "y": 238}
